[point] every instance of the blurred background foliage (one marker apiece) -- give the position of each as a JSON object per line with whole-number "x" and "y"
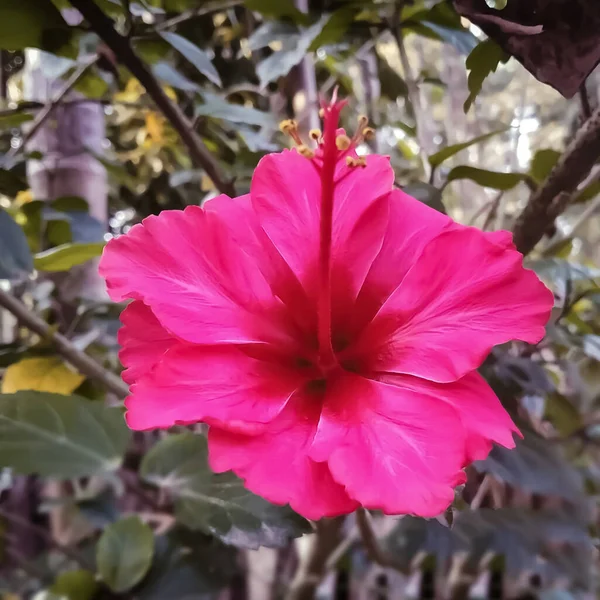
{"x": 89, "y": 510}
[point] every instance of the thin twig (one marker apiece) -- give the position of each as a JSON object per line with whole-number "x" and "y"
{"x": 413, "y": 89}
{"x": 46, "y": 536}
{"x": 586, "y": 109}
{"x": 554, "y": 194}
{"x": 80, "y": 360}
{"x": 102, "y": 25}
{"x": 374, "y": 551}
{"x": 49, "y": 107}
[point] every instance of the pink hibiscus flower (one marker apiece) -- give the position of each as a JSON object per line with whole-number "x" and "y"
{"x": 327, "y": 327}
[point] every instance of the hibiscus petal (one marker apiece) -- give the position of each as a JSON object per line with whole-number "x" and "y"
{"x": 286, "y": 194}
{"x": 221, "y": 385}
{"x": 396, "y": 451}
{"x": 411, "y": 226}
{"x": 463, "y": 296}
{"x": 483, "y": 417}
{"x": 246, "y": 232}
{"x": 275, "y": 465}
{"x": 198, "y": 283}
{"x": 143, "y": 340}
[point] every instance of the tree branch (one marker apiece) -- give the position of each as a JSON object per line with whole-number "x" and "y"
{"x": 554, "y": 194}
{"x": 120, "y": 46}
{"x": 47, "y": 537}
{"x": 374, "y": 551}
{"x": 80, "y": 360}
{"x": 46, "y": 111}
{"x": 313, "y": 568}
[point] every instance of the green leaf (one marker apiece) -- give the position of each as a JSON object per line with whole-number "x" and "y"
{"x": 199, "y": 58}
{"x": 16, "y": 261}
{"x": 277, "y": 9}
{"x": 15, "y": 119}
{"x": 439, "y": 157}
{"x": 335, "y": 28}
{"x": 427, "y": 194}
{"x": 60, "y": 436}
{"x": 462, "y": 39}
{"x": 124, "y": 553}
{"x": 217, "y": 107}
{"x": 63, "y": 257}
{"x": 562, "y": 413}
{"x": 485, "y": 178}
{"x": 483, "y": 60}
{"x": 167, "y": 74}
{"x": 294, "y": 50}
{"x": 591, "y": 346}
{"x": 75, "y": 585}
{"x": 31, "y": 23}
{"x": 542, "y": 163}
{"x": 217, "y": 503}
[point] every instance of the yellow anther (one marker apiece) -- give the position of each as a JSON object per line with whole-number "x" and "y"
{"x": 368, "y": 133}
{"x": 305, "y": 151}
{"x": 315, "y": 134}
{"x": 288, "y": 126}
{"x": 342, "y": 142}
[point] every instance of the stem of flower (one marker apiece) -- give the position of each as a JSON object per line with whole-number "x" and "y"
{"x": 330, "y": 155}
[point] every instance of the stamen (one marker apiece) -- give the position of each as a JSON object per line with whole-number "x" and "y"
{"x": 315, "y": 134}
{"x": 342, "y": 142}
{"x": 305, "y": 151}
{"x": 368, "y": 133}
{"x": 290, "y": 127}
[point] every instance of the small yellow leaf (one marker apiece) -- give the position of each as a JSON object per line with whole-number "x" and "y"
{"x": 23, "y": 197}
{"x": 155, "y": 127}
{"x": 42, "y": 375}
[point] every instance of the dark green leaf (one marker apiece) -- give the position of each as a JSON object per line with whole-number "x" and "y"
{"x": 217, "y": 504}
{"x": 11, "y": 183}
{"x": 483, "y": 60}
{"x": 427, "y": 194}
{"x": 31, "y": 23}
{"x": 16, "y": 261}
{"x": 295, "y": 48}
{"x": 188, "y": 564}
{"x": 199, "y": 58}
{"x": 63, "y": 257}
{"x": 75, "y": 585}
{"x": 60, "y": 436}
{"x": 439, "y": 157}
{"x": 485, "y": 178}
{"x": 536, "y": 465}
{"x": 269, "y": 32}
{"x": 124, "y": 553}
{"x": 335, "y": 28}
{"x": 542, "y": 163}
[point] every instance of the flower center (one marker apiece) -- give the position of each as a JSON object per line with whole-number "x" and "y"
{"x": 333, "y": 147}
